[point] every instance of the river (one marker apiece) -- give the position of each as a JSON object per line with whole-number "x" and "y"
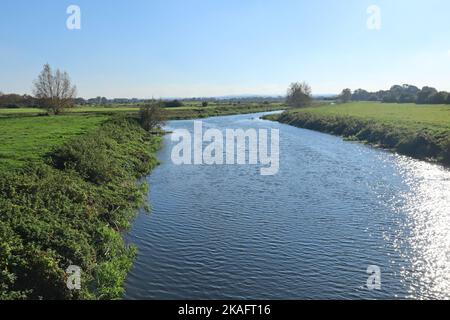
{"x": 310, "y": 232}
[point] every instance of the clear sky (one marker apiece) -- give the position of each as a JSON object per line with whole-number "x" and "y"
{"x": 184, "y": 48}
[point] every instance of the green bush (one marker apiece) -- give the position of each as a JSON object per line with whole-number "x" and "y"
{"x": 71, "y": 212}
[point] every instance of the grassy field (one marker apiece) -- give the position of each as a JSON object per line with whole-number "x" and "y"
{"x": 27, "y": 135}
{"x": 24, "y": 140}
{"x": 420, "y": 131}
{"x": 4, "y": 113}
{"x": 407, "y": 115}
{"x": 219, "y": 110}
{"x": 189, "y": 110}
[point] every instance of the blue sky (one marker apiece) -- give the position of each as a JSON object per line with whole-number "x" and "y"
{"x": 168, "y": 48}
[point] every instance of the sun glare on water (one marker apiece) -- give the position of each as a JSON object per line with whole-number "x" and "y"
{"x": 423, "y": 236}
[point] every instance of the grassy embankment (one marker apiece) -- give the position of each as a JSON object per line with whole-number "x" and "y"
{"x": 67, "y": 203}
{"x": 420, "y": 131}
{"x": 67, "y": 190}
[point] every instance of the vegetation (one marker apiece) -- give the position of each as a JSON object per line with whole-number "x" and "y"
{"x": 299, "y": 95}
{"x": 404, "y": 94}
{"x": 213, "y": 110}
{"x": 54, "y": 91}
{"x": 151, "y": 116}
{"x": 173, "y": 104}
{"x": 25, "y": 140}
{"x": 345, "y": 96}
{"x": 15, "y": 101}
{"x": 69, "y": 209}
{"x": 188, "y": 111}
{"x": 420, "y": 131}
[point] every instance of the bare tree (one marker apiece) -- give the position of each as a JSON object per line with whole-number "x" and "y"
{"x": 299, "y": 95}
{"x": 54, "y": 90}
{"x": 151, "y": 115}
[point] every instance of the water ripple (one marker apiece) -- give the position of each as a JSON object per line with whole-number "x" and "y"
{"x": 225, "y": 232}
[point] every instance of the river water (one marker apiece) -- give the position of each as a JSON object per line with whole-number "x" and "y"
{"x": 310, "y": 232}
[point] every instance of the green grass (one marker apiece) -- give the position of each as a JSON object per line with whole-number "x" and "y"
{"x": 20, "y": 112}
{"x": 4, "y": 113}
{"x": 407, "y": 115}
{"x": 27, "y": 134}
{"x": 190, "y": 110}
{"x": 219, "y": 110}
{"x": 24, "y": 140}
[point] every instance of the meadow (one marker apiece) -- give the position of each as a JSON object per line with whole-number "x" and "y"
{"x": 25, "y": 140}
{"x": 27, "y": 134}
{"x": 413, "y": 116}
{"x": 188, "y": 110}
{"x": 420, "y": 131}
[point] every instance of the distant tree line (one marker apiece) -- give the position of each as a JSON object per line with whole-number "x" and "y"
{"x": 16, "y": 101}
{"x": 54, "y": 91}
{"x": 400, "y": 94}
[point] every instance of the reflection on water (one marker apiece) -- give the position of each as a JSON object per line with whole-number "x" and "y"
{"x": 423, "y": 229}
{"x": 310, "y": 232}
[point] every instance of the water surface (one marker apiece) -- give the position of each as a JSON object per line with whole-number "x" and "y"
{"x": 310, "y": 232}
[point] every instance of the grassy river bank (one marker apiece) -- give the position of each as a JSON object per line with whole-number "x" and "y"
{"x": 419, "y": 131}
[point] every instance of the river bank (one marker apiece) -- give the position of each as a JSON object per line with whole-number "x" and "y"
{"x": 71, "y": 210}
{"x": 400, "y": 128}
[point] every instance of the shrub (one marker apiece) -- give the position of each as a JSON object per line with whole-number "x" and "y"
{"x": 173, "y": 104}
{"x": 71, "y": 212}
{"x": 151, "y": 116}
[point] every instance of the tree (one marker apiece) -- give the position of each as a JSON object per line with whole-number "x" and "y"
{"x": 16, "y": 101}
{"x": 173, "y": 104}
{"x": 345, "y": 96}
{"x": 439, "y": 98}
{"x": 299, "y": 95}
{"x": 151, "y": 115}
{"x": 407, "y": 98}
{"x": 361, "y": 95}
{"x": 54, "y": 90}
{"x": 424, "y": 96}
{"x": 204, "y": 104}
{"x": 410, "y": 89}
